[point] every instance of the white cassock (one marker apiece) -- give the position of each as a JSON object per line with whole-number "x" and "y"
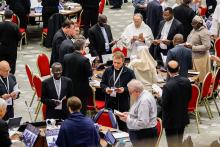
{"x": 131, "y": 31}
{"x": 215, "y": 28}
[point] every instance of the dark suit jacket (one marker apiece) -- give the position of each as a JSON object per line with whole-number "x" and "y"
{"x": 78, "y": 68}
{"x": 9, "y": 38}
{"x": 3, "y": 90}
{"x": 19, "y": 6}
{"x": 184, "y": 57}
{"x": 97, "y": 41}
{"x": 175, "y": 98}
{"x": 58, "y": 38}
{"x": 49, "y": 93}
{"x": 123, "y": 99}
{"x": 154, "y": 14}
{"x": 175, "y": 28}
{"x": 66, "y": 47}
{"x": 185, "y": 15}
{"x": 4, "y": 139}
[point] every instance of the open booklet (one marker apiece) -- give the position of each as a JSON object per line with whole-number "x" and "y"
{"x": 59, "y": 107}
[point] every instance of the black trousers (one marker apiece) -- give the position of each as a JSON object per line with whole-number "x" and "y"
{"x": 117, "y": 3}
{"x": 89, "y": 18}
{"x": 11, "y": 58}
{"x": 174, "y": 137}
{"x": 9, "y": 113}
{"x": 47, "y": 12}
{"x": 144, "y": 137}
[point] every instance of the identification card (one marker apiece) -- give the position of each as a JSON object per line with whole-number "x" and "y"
{"x": 9, "y": 101}
{"x": 106, "y": 45}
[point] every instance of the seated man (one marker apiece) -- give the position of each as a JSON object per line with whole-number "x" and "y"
{"x": 100, "y": 38}
{"x": 77, "y": 130}
{"x": 55, "y": 91}
{"x": 181, "y": 54}
{"x": 137, "y": 34}
{"x": 8, "y": 88}
{"x": 142, "y": 117}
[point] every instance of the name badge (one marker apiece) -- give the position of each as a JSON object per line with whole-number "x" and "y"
{"x": 106, "y": 45}
{"x": 9, "y": 101}
{"x": 113, "y": 94}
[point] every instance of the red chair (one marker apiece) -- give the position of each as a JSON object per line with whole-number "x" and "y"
{"x": 16, "y": 20}
{"x": 123, "y": 50}
{"x": 93, "y": 104}
{"x": 217, "y": 47}
{"x": 30, "y": 78}
{"x": 202, "y": 11}
{"x": 106, "y": 118}
{"x": 101, "y": 6}
{"x": 38, "y": 88}
{"x": 213, "y": 93}
{"x": 159, "y": 130}
{"x": 43, "y": 65}
{"x": 204, "y": 93}
{"x": 193, "y": 103}
{"x": 44, "y": 35}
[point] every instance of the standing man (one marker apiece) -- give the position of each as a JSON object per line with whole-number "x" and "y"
{"x": 154, "y": 14}
{"x": 66, "y": 32}
{"x": 50, "y": 7}
{"x": 181, "y": 54}
{"x": 100, "y": 38}
{"x": 78, "y": 68}
{"x": 175, "y": 98}
{"x": 184, "y": 14}
{"x": 77, "y": 130}
{"x": 114, "y": 84}
{"x": 167, "y": 29}
{"x": 22, "y": 9}
{"x": 55, "y": 92}
{"x": 9, "y": 38}
{"x": 90, "y": 13}
{"x": 8, "y": 88}
{"x": 142, "y": 117}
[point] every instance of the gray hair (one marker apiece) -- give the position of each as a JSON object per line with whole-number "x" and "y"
{"x": 138, "y": 14}
{"x": 3, "y": 104}
{"x": 136, "y": 85}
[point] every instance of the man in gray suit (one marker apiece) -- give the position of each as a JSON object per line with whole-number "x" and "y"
{"x": 181, "y": 54}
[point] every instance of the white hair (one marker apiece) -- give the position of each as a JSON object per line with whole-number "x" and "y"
{"x": 136, "y": 85}
{"x": 3, "y": 104}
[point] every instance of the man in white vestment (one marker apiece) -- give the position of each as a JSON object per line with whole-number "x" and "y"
{"x": 136, "y": 34}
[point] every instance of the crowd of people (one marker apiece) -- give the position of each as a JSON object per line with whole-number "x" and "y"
{"x": 156, "y": 31}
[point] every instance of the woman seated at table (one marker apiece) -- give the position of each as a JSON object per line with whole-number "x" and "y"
{"x": 144, "y": 67}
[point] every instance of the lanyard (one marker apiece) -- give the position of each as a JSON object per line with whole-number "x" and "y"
{"x": 6, "y": 86}
{"x": 57, "y": 90}
{"x": 116, "y": 80}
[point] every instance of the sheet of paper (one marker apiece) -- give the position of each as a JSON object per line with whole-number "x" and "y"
{"x": 91, "y": 59}
{"x": 118, "y": 135}
{"x": 9, "y": 101}
{"x": 106, "y": 57}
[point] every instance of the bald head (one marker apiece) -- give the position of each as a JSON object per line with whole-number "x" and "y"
{"x": 173, "y": 66}
{"x": 178, "y": 39}
{"x": 4, "y": 68}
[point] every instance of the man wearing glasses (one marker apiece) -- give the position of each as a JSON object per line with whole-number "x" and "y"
{"x": 8, "y": 88}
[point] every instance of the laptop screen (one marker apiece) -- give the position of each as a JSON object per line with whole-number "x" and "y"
{"x": 14, "y": 122}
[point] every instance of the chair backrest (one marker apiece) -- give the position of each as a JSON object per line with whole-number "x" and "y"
{"x": 123, "y": 50}
{"x": 206, "y": 85}
{"x": 43, "y": 65}
{"x": 38, "y": 85}
{"x": 16, "y": 20}
{"x": 216, "y": 81}
{"x": 159, "y": 130}
{"x": 217, "y": 47}
{"x": 101, "y": 6}
{"x": 29, "y": 75}
{"x": 106, "y": 118}
{"x": 202, "y": 11}
{"x": 194, "y": 99}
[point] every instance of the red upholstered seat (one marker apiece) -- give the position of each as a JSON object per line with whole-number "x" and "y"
{"x": 217, "y": 47}
{"x": 159, "y": 130}
{"x": 202, "y": 11}
{"x": 123, "y": 50}
{"x": 45, "y": 30}
{"x": 22, "y": 30}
